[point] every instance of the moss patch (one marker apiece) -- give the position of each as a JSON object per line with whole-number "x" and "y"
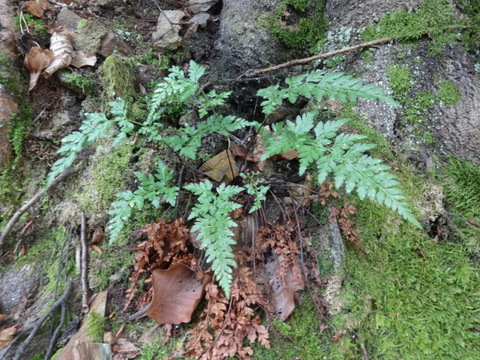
{"x": 414, "y": 299}
{"x": 448, "y": 93}
{"x": 297, "y": 338}
{"x": 295, "y": 28}
{"x": 108, "y": 176}
{"x": 118, "y": 76}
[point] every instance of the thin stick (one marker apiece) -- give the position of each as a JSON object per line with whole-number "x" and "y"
{"x": 139, "y": 313}
{"x": 84, "y": 264}
{"x": 56, "y": 333}
{"x": 252, "y": 73}
{"x": 27, "y": 205}
{"x": 39, "y": 323}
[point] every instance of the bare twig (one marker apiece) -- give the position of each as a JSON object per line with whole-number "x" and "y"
{"x": 253, "y": 73}
{"x": 84, "y": 264}
{"x": 56, "y": 333}
{"x": 139, "y": 313}
{"x": 27, "y": 205}
{"x": 36, "y": 326}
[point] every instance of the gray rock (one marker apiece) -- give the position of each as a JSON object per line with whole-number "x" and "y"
{"x": 244, "y": 41}
{"x": 15, "y": 285}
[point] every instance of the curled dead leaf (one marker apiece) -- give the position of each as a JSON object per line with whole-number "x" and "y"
{"x": 176, "y": 293}
{"x": 62, "y": 48}
{"x": 35, "y": 62}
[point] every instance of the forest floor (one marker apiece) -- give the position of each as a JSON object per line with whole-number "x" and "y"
{"x": 109, "y": 254}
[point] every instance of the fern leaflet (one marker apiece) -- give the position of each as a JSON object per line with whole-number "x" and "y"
{"x": 152, "y": 190}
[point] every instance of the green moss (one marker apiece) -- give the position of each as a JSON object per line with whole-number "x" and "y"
{"x": 448, "y": 93}
{"x": 291, "y": 24}
{"x": 32, "y": 22}
{"x": 95, "y": 326}
{"x": 82, "y": 24}
{"x": 414, "y": 298}
{"x": 298, "y": 337}
{"x": 400, "y": 80}
{"x": 108, "y": 176}
{"x": 109, "y": 266}
{"x": 118, "y": 75}
{"x": 153, "y": 351}
{"x": 463, "y": 188}
{"x": 434, "y": 18}
{"x": 80, "y": 83}
{"x": 429, "y": 139}
{"x": 15, "y": 85}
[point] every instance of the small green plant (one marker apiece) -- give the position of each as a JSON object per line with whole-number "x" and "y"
{"x": 152, "y": 190}
{"x": 214, "y": 224}
{"x": 94, "y": 127}
{"x": 254, "y": 187}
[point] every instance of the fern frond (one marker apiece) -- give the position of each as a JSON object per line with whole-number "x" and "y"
{"x": 94, "y": 127}
{"x": 214, "y": 225}
{"x": 318, "y": 85}
{"x": 190, "y": 138}
{"x": 152, "y": 190}
{"x": 341, "y": 156}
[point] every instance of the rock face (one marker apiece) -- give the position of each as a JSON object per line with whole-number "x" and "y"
{"x": 244, "y": 42}
{"x": 453, "y": 127}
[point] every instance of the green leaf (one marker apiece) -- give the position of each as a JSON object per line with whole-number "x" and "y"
{"x": 214, "y": 225}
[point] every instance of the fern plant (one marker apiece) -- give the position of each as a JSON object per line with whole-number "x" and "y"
{"x": 214, "y": 226}
{"x": 94, "y": 127}
{"x": 152, "y": 190}
{"x": 331, "y": 153}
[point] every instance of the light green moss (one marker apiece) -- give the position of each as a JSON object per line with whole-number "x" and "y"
{"x": 414, "y": 298}
{"x": 400, "y": 80}
{"x": 448, "y": 93}
{"x": 80, "y": 83}
{"x": 434, "y": 17}
{"x": 95, "y": 326}
{"x": 118, "y": 75}
{"x": 108, "y": 176}
{"x": 299, "y": 337}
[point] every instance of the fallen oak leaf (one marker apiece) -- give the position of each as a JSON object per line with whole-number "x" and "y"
{"x": 176, "y": 293}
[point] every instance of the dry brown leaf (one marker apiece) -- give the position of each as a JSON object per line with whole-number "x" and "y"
{"x": 7, "y": 335}
{"x": 80, "y": 59}
{"x": 221, "y": 167}
{"x": 124, "y": 350}
{"x": 35, "y": 62}
{"x": 284, "y": 287}
{"x": 176, "y": 293}
{"x": 38, "y": 7}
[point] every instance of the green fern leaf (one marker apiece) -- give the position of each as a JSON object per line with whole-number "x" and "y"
{"x": 341, "y": 156}
{"x": 214, "y": 225}
{"x": 317, "y": 85}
